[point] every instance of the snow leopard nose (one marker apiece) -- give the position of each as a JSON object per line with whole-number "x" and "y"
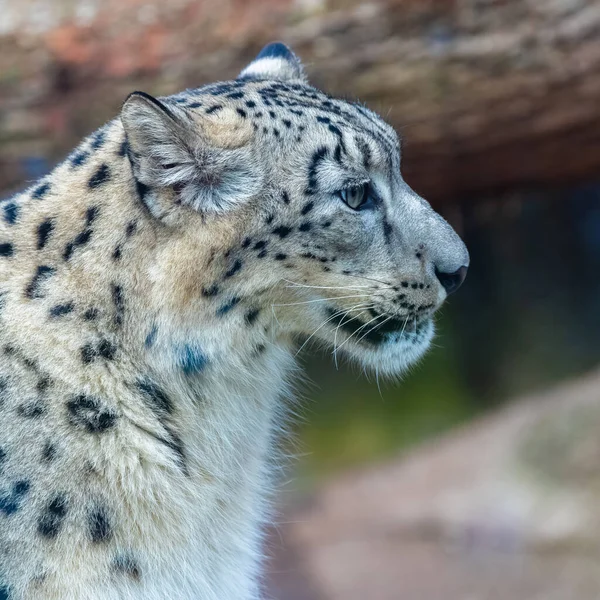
{"x": 452, "y": 281}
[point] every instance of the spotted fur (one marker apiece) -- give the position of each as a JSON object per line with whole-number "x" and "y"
{"x": 153, "y": 289}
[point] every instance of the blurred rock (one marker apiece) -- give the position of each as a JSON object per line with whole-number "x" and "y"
{"x": 504, "y": 508}
{"x": 488, "y": 94}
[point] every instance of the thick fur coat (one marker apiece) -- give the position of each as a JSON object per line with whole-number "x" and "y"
{"x": 152, "y": 288}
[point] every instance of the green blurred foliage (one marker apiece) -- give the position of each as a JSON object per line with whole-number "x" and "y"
{"x": 350, "y": 418}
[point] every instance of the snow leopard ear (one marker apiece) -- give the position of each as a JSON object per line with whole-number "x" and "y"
{"x": 275, "y": 61}
{"x": 201, "y": 160}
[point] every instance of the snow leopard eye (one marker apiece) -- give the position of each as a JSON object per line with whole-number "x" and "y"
{"x": 357, "y": 196}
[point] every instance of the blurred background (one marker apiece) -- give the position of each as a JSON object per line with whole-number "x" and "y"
{"x": 478, "y": 476}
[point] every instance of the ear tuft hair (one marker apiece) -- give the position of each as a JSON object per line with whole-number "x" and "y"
{"x": 275, "y": 61}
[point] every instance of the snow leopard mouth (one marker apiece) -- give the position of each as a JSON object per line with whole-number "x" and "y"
{"x": 383, "y": 329}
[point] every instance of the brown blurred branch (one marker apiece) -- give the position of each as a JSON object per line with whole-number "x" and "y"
{"x": 488, "y": 94}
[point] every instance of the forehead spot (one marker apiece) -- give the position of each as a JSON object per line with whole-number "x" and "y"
{"x": 307, "y": 208}
{"x": 282, "y": 231}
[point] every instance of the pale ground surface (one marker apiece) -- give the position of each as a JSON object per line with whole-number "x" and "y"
{"x": 506, "y": 508}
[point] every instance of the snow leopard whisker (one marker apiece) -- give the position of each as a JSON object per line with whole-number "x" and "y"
{"x": 342, "y": 322}
{"x": 329, "y": 319}
{"x": 322, "y": 300}
{"x": 359, "y": 330}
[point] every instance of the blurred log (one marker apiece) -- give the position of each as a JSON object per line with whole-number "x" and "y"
{"x": 487, "y": 94}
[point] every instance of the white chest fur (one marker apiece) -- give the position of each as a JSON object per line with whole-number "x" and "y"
{"x": 199, "y": 536}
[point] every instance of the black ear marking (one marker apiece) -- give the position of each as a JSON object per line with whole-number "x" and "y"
{"x": 275, "y": 61}
{"x": 146, "y": 119}
{"x": 157, "y": 103}
{"x": 276, "y": 50}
